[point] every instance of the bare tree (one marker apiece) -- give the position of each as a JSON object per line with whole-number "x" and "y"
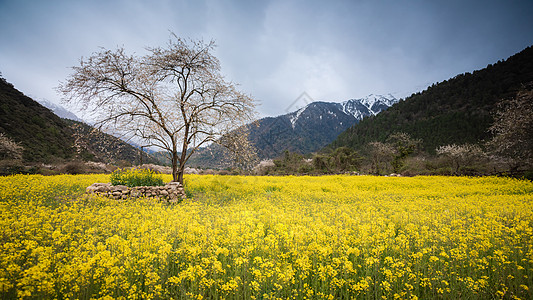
{"x": 173, "y": 98}
{"x": 240, "y": 151}
{"x": 461, "y": 155}
{"x": 381, "y": 154}
{"x": 403, "y": 145}
{"x": 513, "y": 129}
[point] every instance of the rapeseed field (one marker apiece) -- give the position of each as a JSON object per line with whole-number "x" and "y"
{"x": 236, "y": 237}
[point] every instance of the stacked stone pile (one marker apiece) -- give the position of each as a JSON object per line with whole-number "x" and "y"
{"x": 171, "y": 192}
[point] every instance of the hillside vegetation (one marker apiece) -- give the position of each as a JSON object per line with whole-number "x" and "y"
{"x": 43, "y": 137}
{"x": 303, "y": 131}
{"x": 96, "y": 145}
{"x": 456, "y": 111}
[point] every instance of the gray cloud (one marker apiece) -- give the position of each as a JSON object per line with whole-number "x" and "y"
{"x": 333, "y": 50}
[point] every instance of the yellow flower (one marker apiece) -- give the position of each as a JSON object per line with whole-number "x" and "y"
{"x": 271, "y": 237}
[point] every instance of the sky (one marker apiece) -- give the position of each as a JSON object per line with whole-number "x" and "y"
{"x": 275, "y": 50}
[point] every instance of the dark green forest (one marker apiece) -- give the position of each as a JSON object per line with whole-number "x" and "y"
{"x": 43, "y": 135}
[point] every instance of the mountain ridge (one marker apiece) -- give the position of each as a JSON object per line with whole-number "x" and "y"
{"x": 305, "y": 130}
{"x": 59, "y": 110}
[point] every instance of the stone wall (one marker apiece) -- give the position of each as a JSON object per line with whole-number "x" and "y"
{"x": 172, "y": 192}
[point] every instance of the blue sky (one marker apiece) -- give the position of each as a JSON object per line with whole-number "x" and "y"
{"x": 275, "y": 50}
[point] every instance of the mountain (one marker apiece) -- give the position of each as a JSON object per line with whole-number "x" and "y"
{"x": 46, "y": 138}
{"x": 313, "y": 126}
{"x": 59, "y": 110}
{"x": 95, "y": 145}
{"x": 43, "y": 135}
{"x": 305, "y": 130}
{"x": 456, "y": 111}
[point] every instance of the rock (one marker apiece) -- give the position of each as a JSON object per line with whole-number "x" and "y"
{"x": 173, "y": 184}
{"x": 191, "y": 171}
{"x": 103, "y": 189}
{"x": 172, "y": 192}
{"x": 98, "y": 188}
{"x": 119, "y": 188}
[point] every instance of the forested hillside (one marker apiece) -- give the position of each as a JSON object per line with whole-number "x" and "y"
{"x": 46, "y": 138}
{"x": 303, "y": 131}
{"x": 43, "y": 135}
{"x": 458, "y": 110}
{"x": 96, "y": 145}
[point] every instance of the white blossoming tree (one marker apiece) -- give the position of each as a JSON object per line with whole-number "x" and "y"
{"x": 173, "y": 98}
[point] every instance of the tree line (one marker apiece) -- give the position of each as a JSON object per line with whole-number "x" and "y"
{"x": 509, "y": 151}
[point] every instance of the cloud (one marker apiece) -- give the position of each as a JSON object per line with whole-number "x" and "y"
{"x": 275, "y": 49}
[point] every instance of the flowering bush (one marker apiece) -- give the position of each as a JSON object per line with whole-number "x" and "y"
{"x": 136, "y": 177}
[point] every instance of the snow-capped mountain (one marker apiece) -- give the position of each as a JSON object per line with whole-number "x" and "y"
{"x": 370, "y": 105}
{"x": 309, "y": 128}
{"x": 373, "y": 104}
{"x": 59, "y": 110}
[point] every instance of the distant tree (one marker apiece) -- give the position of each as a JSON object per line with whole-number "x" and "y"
{"x": 460, "y": 156}
{"x": 344, "y": 159}
{"x": 403, "y": 146}
{"x": 173, "y": 98}
{"x": 9, "y": 149}
{"x": 513, "y": 129}
{"x": 381, "y": 154}
{"x": 321, "y": 163}
{"x": 239, "y": 149}
{"x": 289, "y": 162}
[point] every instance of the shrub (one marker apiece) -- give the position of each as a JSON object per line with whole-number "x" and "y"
{"x": 74, "y": 168}
{"x": 11, "y": 167}
{"x": 9, "y": 149}
{"x": 462, "y": 159}
{"x": 223, "y": 172}
{"x": 136, "y": 177}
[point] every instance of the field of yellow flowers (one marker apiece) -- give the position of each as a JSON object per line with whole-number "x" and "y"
{"x": 236, "y": 237}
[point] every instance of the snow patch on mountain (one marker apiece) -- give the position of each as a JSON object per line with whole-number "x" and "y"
{"x": 59, "y": 110}
{"x": 372, "y": 99}
{"x": 293, "y": 117}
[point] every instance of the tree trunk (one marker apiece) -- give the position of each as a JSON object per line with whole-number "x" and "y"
{"x": 175, "y": 166}
{"x": 456, "y": 167}
{"x": 180, "y": 176}
{"x": 182, "y": 159}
